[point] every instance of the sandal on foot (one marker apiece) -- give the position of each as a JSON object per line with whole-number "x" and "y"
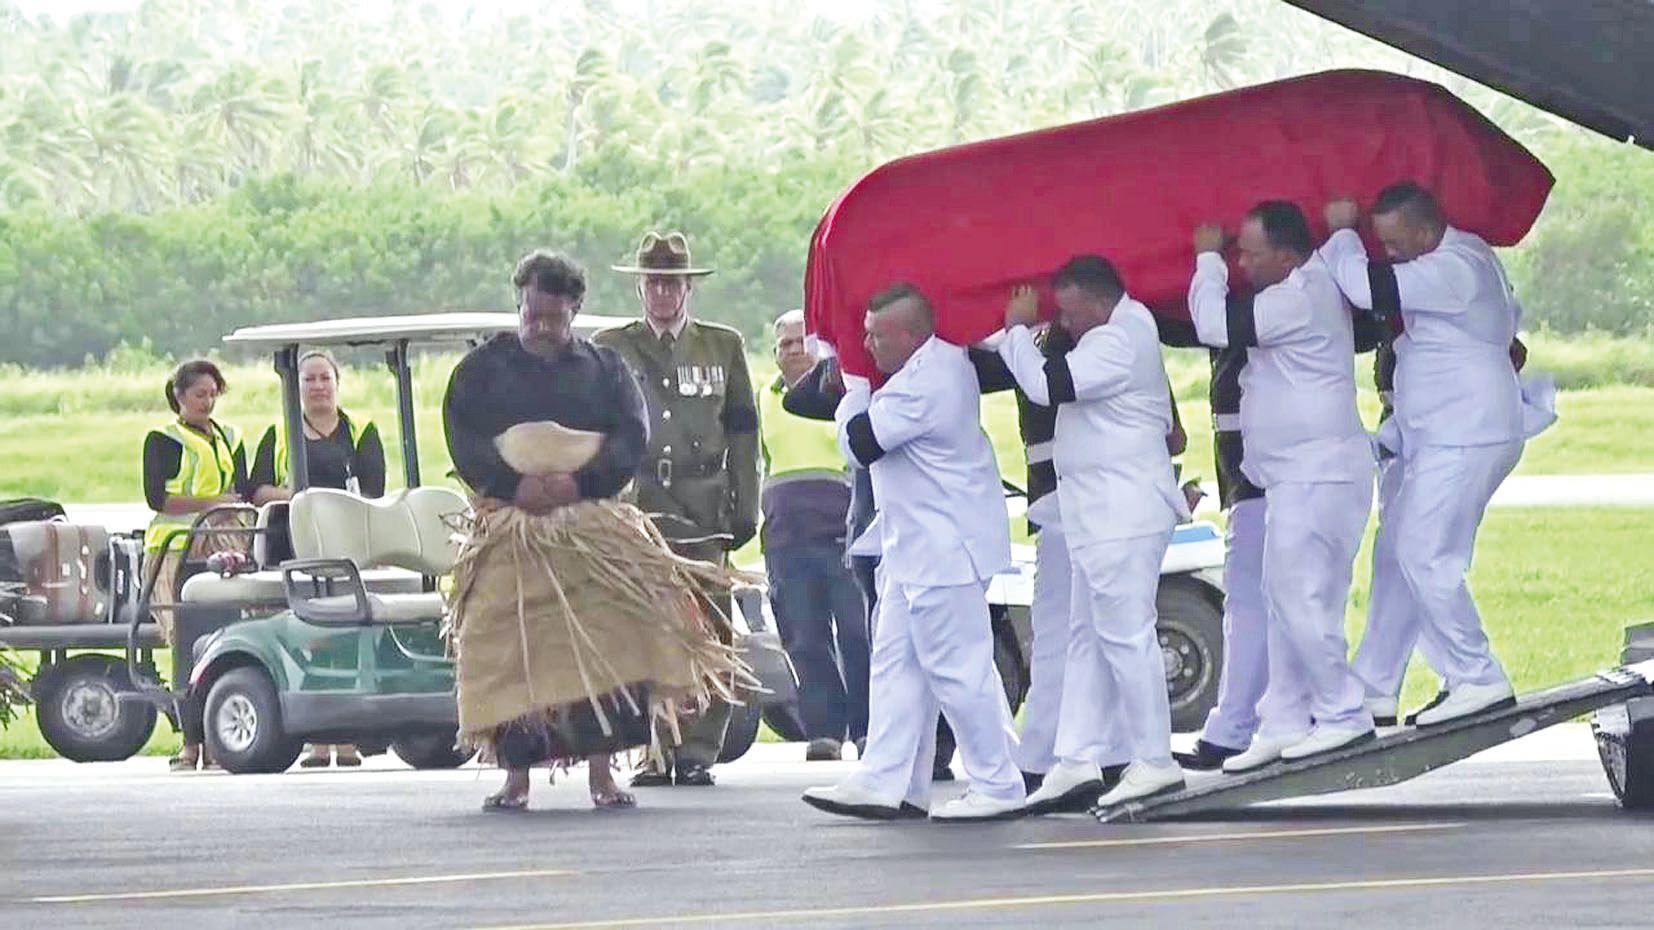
{"x": 313, "y": 762}
{"x": 181, "y": 764}
{"x": 613, "y": 800}
{"x": 505, "y": 803}
{"x": 347, "y": 761}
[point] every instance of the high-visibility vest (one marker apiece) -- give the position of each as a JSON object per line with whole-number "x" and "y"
{"x": 206, "y": 469}
{"x": 352, "y": 433}
{"x": 795, "y": 448}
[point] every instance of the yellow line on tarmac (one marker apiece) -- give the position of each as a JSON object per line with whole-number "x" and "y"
{"x": 1239, "y": 837}
{"x": 1106, "y": 897}
{"x": 300, "y": 886}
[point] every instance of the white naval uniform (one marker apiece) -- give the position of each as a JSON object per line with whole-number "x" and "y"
{"x": 942, "y": 531}
{"x": 1119, "y": 502}
{"x": 1051, "y": 617}
{"x": 1459, "y": 417}
{"x": 1234, "y": 718}
{"x": 1381, "y": 661}
{"x": 1307, "y": 450}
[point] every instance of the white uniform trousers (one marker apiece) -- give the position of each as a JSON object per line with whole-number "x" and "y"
{"x": 1114, "y": 704}
{"x": 1234, "y": 718}
{"x": 1444, "y": 493}
{"x": 1051, "y": 618}
{"x": 933, "y": 648}
{"x": 1312, "y": 532}
{"x": 1394, "y": 623}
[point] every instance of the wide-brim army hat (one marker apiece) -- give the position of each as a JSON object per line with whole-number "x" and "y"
{"x": 663, "y": 255}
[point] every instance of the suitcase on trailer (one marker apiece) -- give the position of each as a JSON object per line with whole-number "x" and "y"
{"x": 29, "y": 510}
{"x": 63, "y": 569}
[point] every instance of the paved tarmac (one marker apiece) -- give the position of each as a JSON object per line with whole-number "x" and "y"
{"x": 1525, "y": 836}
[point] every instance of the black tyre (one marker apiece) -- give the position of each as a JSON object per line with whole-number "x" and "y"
{"x": 243, "y": 724}
{"x": 81, "y": 715}
{"x": 1625, "y": 743}
{"x": 784, "y": 721}
{"x": 1191, "y": 641}
{"x": 742, "y": 731}
{"x": 432, "y": 751}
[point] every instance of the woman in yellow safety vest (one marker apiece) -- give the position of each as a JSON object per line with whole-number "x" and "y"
{"x": 340, "y": 452}
{"x": 191, "y": 463}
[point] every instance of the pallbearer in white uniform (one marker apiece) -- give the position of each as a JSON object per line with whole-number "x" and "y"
{"x": 1459, "y": 423}
{"x": 943, "y": 531}
{"x": 1233, "y": 721}
{"x": 1306, "y": 447}
{"x": 1119, "y": 503}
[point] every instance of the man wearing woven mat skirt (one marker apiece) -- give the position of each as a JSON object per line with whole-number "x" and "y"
{"x": 577, "y": 632}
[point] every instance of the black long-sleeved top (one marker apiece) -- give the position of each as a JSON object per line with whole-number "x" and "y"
{"x": 331, "y": 461}
{"x": 500, "y": 384}
{"x": 163, "y": 457}
{"x": 811, "y": 398}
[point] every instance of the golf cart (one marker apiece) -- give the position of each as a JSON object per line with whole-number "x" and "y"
{"x": 294, "y": 650}
{"x": 1189, "y": 603}
{"x": 342, "y": 642}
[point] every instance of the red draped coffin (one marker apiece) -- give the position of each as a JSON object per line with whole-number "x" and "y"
{"x": 967, "y": 223}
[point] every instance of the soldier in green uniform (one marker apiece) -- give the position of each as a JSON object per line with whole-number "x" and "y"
{"x": 700, "y": 475}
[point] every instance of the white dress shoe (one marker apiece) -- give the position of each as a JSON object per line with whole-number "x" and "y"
{"x": 848, "y": 799}
{"x": 1143, "y": 780}
{"x": 1326, "y": 739}
{"x": 1068, "y": 786}
{"x": 1264, "y": 750}
{"x": 1465, "y": 700}
{"x": 1383, "y": 710}
{"x": 974, "y": 807}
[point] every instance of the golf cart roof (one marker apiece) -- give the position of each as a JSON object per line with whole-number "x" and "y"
{"x": 451, "y": 326}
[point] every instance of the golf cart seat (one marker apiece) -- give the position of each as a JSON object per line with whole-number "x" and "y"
{"x": 412, "y": 531}
{"x": 262, "y": 589}
{"x": 409, "y": 532}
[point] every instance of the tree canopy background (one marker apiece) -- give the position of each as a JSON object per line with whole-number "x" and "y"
{"x": 188, "y": 166}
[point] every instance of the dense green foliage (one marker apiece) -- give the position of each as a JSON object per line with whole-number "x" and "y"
{"x": 190, "y": 166}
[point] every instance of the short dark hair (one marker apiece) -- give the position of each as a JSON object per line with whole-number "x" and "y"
{"x": 551, "y": 273}
{"x": 1284, "y": 225}
{"x": 185, "y": 375}
{"x": 1093, "y": 274}
{"x": 896, "y": 293}
{"x": 1417, "y": 203}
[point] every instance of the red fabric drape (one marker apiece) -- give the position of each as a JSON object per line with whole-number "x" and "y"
{"x": 965, "y": 224}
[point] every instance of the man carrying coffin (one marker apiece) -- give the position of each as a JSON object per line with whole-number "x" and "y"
{"x": 1304, "y": 445}
{"x": 943, "y": 534}
{"x": 1119, "y": 502}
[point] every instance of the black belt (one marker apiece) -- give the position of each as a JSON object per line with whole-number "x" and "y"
{"x": 667, "y": 469}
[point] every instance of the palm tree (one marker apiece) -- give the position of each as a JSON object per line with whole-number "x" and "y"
{"x": 246, "y": 113}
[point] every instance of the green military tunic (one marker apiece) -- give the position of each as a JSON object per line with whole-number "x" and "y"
{"x": 700, "y": 475}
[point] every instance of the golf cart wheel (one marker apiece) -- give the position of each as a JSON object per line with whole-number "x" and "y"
{"x": 432, "y": 751}
{"x": 784, "y": 721}
{"x": 742, "y": 731}
{"x": 81, "y": 715}
{"x": 1191, "y": 643}
{"x": 243, "y": 724}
